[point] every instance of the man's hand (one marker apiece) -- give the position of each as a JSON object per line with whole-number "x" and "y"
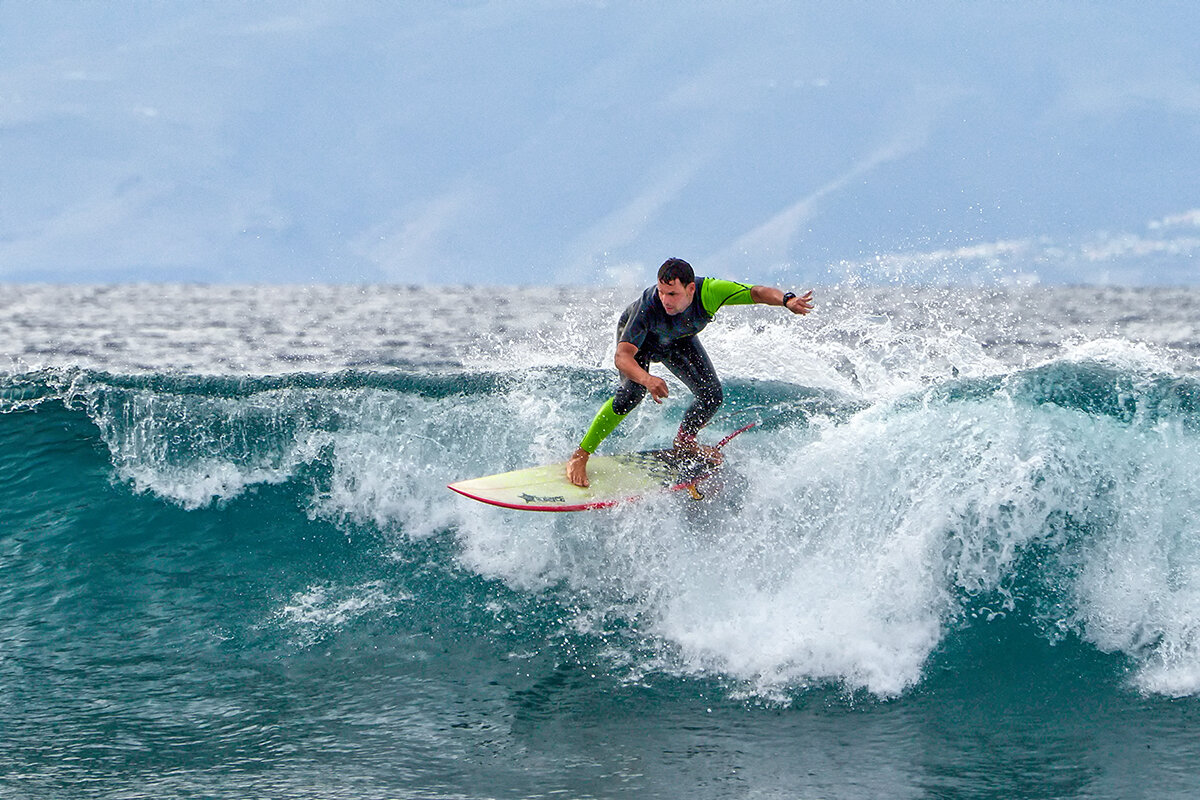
{"x": 800, "y": 304}
{"x": 626, "y": 363}
{"x": 657, "y": 387}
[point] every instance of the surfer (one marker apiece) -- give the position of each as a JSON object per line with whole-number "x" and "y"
{"x": 662, "y": 326}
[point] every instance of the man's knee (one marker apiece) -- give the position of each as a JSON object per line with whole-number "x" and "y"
{"x": 711, "y": 397}
{"x": 627, "y": 398}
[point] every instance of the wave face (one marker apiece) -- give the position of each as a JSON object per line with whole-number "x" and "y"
{"x": 237, "y": 568}
{"x": 844, "y": 546}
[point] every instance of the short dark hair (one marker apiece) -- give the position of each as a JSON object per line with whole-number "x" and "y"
{"x": 676, "y": 269}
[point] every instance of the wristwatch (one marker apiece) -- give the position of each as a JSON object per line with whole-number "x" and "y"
{"x": 787, "y": 296}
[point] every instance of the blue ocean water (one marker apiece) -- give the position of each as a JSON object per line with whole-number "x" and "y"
{"x": 958, "y": 557}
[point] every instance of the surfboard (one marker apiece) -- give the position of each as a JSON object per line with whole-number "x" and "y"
{"x": 615, "y": 479}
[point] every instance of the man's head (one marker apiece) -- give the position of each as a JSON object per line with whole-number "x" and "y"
{"x": 676, "y": 285}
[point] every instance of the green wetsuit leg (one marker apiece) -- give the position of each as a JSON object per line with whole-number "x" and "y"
{"x": 606, "y": 422}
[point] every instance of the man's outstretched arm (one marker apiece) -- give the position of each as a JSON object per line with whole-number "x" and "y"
{"x": 770, "y": 296}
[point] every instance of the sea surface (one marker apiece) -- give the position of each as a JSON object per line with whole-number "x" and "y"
{"x": 959, "y": 556}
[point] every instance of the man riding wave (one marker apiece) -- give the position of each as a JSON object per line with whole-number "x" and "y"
{"x": 662, "y": 326}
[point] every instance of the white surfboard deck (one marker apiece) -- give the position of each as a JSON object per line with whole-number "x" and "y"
{"x": 614, "y": 479}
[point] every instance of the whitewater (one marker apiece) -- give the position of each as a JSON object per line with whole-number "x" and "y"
{"x": 958, "y": 556}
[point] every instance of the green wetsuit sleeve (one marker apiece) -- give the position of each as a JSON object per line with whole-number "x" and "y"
{"x": 715, "y": 293}
{"x": 606, "y": 422}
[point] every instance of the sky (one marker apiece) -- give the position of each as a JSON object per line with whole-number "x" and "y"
{"x": 531, "y": 142}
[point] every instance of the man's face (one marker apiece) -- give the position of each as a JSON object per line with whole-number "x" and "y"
{"x": 675, "y": 296}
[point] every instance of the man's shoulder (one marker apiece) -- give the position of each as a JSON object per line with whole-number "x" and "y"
{"x": 717, "y": 292}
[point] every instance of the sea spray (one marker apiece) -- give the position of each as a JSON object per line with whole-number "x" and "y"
{"x": 903, "y": 484}
{"x": 956, "y": 555}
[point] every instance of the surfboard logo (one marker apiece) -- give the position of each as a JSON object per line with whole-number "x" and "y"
{"x": 533, "y": 498}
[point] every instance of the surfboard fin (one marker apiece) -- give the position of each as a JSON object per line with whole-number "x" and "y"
{"x": 694, "y": 492}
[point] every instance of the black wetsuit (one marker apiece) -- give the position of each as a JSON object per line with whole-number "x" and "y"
{"x": 671, "y": 340}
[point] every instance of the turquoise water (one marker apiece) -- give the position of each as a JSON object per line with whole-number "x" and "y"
{"x": 955, "y": 559}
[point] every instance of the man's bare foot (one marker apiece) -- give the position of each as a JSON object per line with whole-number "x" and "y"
{"x": 692, "y": 449}
{"x": 577, "y": 468}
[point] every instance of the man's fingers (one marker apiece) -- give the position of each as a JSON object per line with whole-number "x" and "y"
{"x": 803, "y": 303}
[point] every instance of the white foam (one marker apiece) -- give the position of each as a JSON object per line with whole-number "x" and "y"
{"x": 859, "y": 545}
{"x": 837, "y": 569}
{"x": 325, "y": 608}
{"x": 199, "y": 483}
{"x": 1138, "y": 585}
{"x": 195, "y": 450}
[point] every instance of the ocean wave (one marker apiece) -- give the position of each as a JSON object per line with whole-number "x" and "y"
{"x": 851, "y": 541}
